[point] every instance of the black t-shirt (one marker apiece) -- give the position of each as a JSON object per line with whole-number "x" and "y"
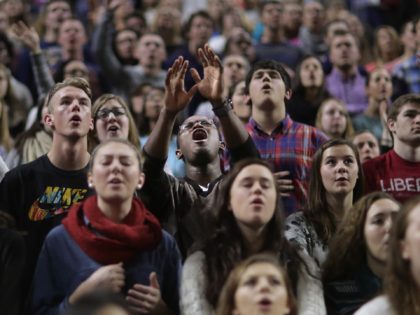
{"x": 38, "y": 195}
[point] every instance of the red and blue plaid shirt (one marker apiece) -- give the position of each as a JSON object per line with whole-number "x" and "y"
{"x": 289, "y": 147}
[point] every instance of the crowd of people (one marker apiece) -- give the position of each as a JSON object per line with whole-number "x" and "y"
{"x": 209, "y": 157}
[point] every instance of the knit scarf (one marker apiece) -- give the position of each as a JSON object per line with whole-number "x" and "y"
{"x": 108, "y": 242}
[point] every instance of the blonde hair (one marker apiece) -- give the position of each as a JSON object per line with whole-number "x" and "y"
{"x": 349, "y": 131}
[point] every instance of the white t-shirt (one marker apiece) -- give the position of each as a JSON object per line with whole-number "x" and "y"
{"x": 378, "y": 306}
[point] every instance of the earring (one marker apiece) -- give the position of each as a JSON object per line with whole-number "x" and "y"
{"x": 90, "y": 185}
{"x": 139, "y": 186}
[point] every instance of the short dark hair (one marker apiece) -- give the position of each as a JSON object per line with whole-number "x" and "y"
{"x": 405, "y": 99}
{"x": 268, "y": 64}
{"x": 187, "y": 26}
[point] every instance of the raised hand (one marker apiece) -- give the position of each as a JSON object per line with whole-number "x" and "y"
{"x": 211, "y": 86}
{"x": 176, "y": 97}
{"x": 28, "y": 36}
{"x": 145, "y": 299}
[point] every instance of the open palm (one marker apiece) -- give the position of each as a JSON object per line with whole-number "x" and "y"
{"x": 176, "y": 97}
{"x": 210, "y": 86}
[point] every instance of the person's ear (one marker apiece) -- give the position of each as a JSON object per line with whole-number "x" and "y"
{"x": 90, "y": 180}
{"x": 91, "y": 124}
{"x": 288, "y": 94}
{"x": 391, "y": 125}
{"x": 141, "y": 181}
{"x": 222, "y": 147}
{"x": 49, "y": 120}
{"x": 179, "y": 154}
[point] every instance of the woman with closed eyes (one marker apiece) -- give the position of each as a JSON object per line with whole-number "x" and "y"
{"x": 248, "y": 220}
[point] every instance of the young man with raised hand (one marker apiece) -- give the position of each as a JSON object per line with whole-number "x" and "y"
{"x": 181, "y": 203}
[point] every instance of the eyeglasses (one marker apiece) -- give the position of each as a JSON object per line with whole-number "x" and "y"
{"x": 104, "y": 113}
{"x": 190, "y": 125}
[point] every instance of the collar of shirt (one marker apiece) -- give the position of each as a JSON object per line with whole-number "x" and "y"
{"x": 282, "y": 128}
{"x": 338, "y": 75}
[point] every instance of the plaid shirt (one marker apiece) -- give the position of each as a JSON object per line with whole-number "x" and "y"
{"x": 409, "y": 72}
{"x": 289, "y": 148}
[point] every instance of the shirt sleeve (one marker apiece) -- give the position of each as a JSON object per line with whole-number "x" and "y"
{"x": 194, "y": 285}
{"x": 47, "y": 298}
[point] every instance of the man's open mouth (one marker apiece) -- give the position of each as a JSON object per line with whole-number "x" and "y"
{"x": 199, "y": 135}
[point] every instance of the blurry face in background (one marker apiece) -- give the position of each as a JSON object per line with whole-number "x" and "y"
{"x": 168, "y": 18}
{"x": 271, "y": 15}
{"x": 333, "y": 119}
{"x": 344, "y": 53}
{"x": 292, "y": 16}
{"x": 150, "y": 50}
{"x": 14, "y": 8}
{"x": 137, "y": 101}
{"x": 240, "y": 43}
{"x": 408, "y": 37}
{"x": 153, "y": 104}
{"x": 72, "y": 34}
{"x": 311, "y": 73}
{"x": 367, "y": 145}
{"x": 200, "y": 31}
{"x": 125, "y": 44}
{"x": 56, "y": 13}
{"x": 235, "y": 68}
{"x": 380, "y": 85}
{"x": 313, "y": 16}
{"x": 76, "y": 68}
{"x": 240, "y": 102}
{"x": 385, "y": 41}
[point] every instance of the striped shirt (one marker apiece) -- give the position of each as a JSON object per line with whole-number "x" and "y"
{"x": 289, "y": 147}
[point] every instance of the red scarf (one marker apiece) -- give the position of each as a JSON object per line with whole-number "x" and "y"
{"x": 114, "y": 242}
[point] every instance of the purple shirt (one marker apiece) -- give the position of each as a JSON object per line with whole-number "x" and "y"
{"x": 350, "y": 90}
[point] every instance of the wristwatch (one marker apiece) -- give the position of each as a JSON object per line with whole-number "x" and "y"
{"x": 222, "y": 111}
